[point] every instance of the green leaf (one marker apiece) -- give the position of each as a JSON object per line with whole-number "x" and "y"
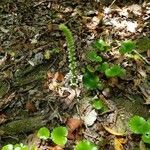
{"x": 100, "y": 45}
{"x": 92, "y": 56}
{"x": 90, "y": 68}
{"x": 85, "y": 145}
{"x": 127, "y": 47}
{"x": 7, "y": 147}
{"x": 115, "y": 71}
{"x": 138, "y": 125}
{"x": 102, "y": 67}
{"x": 146, "y": 137}
{"x": 91, "y": 81}
{"x": 43, "y": 133}
{"x": 97, "y": 104}
{"x": 21, "y": 147}
{"x": 47, "y": 55}
{"x": 59, "y": 135}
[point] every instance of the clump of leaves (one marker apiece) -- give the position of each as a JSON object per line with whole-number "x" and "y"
{"x": 91, "y": 81}
{"x": 43, "y": 133}
{"x": 59, "y": 135}
{"x": 139, "y": 125}
{"x": 85, "y": 145}
{"x": 102, "y": 67}
{"x": 21, "y": 147}
{"x": 8, "y": 147}
{"x": 92, "y": 56}
{"x": 127, "y": 47}
{"x": 115, "y": 71}
{"x": 15, "y": 147}
{"x": 100, "y": 45}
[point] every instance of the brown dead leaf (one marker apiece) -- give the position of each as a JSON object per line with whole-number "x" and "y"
{"x": 118, "y": 143}
{"x": 3, "y": 118}
{"x": 74, "y": 123}
{"x": 6, "y": 101}
{"x": 55, "y": 148}
{"x": 70, "y": 135}
{"x": 58, "y": 77}
{"x": 111, "y": 131}
{"x": 30, "y": 106}
{"x": 49, "y": 75}
{"x": 113, "y": 82}
{"x": 49, "y": 26}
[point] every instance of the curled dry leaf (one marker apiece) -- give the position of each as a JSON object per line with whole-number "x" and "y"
{"x": 58, "y": 77}
{"x": 74, "y": 123}
{"x": 69, "y": 93}
{"x": 118, "y": 143}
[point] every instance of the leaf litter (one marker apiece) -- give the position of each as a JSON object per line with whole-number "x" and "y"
{"x": 30, "y": 31}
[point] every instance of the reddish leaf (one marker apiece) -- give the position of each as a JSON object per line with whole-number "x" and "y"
{"x": 74, "y": 123}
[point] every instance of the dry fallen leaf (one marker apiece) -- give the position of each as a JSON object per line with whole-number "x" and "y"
{"x": 6, "y": 101}
{"x": 3, "y": 60}
{"x": 111, "y": 131}
{"x": 30, "y": 106}
{"x": 3, "y": 118}
{"x": 90, "y": 118}
{"x": 55, "y": 148}
{"x": 49, "y": 75}
{"x": 58, "y": 77}
{"x": 74, "y": 123}
{"x": 118, "y": 143}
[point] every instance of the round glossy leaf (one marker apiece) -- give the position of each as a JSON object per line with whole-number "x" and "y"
{"x": 97, "y": 104}
{"x": 7, "y": 147}
{"x": 91, "y": 81}
{"x": 114, "y": 71}
{"x": 21, "y": 147}
{"x": 138, "y": 125}
{"x": 127, "y": 47}
{"x": 59, "y": 135}
{"x": 146, "y": 137}
{"x": 102, "y": 67}
{"x": 85, "y": 145}
{"x": 100, "y": 45}
{"x": 43, "y": 133}
{"x": 92, "y": 55}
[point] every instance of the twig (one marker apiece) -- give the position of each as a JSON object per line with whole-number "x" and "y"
{"x": 112, "y": 3}
{"x": 143, "y": 58}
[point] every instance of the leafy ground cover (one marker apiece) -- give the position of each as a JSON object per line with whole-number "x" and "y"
{"x": 74, "y": 75}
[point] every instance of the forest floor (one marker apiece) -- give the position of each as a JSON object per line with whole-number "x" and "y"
{"x": 33, "y": 56}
